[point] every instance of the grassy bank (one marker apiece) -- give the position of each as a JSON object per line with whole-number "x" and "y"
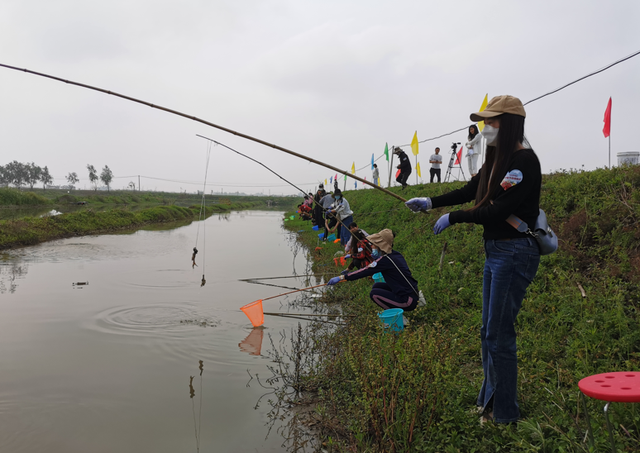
{"x": 33, "y": 230}
{"x": 416, "y": 391}
{"x": 56, "y": 197}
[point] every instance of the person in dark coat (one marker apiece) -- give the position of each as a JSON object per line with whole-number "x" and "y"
{"x": 404, "y": 166}
{"x": 400, "y": 289}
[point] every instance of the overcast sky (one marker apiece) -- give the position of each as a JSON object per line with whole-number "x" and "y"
{"x": 334, "y": 80}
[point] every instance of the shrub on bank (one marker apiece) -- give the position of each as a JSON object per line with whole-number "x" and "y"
{"x": 32, "y": 230}
{"x": 14, "y": 197}
{"x": 416, "y": 391}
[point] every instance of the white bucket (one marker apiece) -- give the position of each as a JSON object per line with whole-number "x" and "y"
{"x": 629, "y": 158}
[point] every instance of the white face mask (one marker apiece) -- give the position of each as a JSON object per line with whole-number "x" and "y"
{"x": 491, "y": 134}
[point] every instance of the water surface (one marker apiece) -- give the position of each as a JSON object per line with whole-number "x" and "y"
{"x": 109, "y": 343}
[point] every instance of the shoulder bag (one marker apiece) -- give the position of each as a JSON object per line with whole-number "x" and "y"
{"x": 543, "y": 234}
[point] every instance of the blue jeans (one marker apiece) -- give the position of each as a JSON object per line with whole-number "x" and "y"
{"x": 345, "y": 234}
{"x": 509, "y": 268}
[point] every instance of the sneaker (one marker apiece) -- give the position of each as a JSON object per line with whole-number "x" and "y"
{"x": 486, "y": 417}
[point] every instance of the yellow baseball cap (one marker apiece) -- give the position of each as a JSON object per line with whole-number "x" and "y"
{"x": 499, "y": 105}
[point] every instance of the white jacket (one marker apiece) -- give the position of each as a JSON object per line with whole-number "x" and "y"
{"x": 474, "y": 145}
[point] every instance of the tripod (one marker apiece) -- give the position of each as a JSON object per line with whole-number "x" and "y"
{"x": 452, "y": 163}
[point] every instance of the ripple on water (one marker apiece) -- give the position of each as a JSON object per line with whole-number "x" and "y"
{"x": 151, "y": 320}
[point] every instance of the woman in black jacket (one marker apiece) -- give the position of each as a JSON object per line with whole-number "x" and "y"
{"x": 507, "y": 184}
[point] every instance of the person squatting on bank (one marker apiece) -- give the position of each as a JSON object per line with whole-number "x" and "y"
{"x": 400, "y": 289}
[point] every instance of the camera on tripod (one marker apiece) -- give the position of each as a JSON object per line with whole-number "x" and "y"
{"x": 454, "y": 147}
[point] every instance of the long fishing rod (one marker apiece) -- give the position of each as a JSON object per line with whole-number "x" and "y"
{"x": 199, "y": 120}
{"x": 288, "y": 182}
{"x": 296, "y": 291}
{"x": 254, "y": 160}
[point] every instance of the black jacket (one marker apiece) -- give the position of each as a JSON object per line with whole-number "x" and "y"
{"x": 519, "y": 194}
{"x": 405, "y": 163}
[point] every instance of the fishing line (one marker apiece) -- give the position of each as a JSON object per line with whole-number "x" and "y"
{"x": 202, "y": 216}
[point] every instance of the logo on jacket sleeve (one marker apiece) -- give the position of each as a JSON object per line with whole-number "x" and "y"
{"x": 511, "y": 179}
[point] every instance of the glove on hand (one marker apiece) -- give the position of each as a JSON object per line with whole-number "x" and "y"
{"x": 347, "y": 256}
{"x": 333, "y": 281}
{"x": 419, "y": 204}
{"x": 344, "y": 272}
{"x": 441, "y": 224}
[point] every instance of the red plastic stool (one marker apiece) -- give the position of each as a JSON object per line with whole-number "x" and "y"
{"x": 617, "y": 387}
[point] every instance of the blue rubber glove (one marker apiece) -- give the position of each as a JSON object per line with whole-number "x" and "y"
{"x": 347, "y": 256}
{"x": 333, "y": 281}
{"x": 442, "y": 224}
{"x": 419, "y": 204}
{"x": 344, "y": 272}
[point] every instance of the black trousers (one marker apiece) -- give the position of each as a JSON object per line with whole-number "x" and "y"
{"x": 402, "y": 177}
{"x": 435, "y": 172}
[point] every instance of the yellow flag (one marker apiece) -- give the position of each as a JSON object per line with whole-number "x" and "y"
{"x": 353, "y": 168}
{"x": 414, "y": 144}
{"x": 482, "y": 107}
{"x": 418, "y": 169}
{"x": 325, "y": 182}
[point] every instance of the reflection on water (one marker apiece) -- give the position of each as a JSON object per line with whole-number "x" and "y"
{"x": 252, "y": 344}
{"x": 9, "y": 273}
{"x": 104, "y": 369}
{"x": 192, "y": 393}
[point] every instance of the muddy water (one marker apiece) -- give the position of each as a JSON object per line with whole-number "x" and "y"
{"x": 109, "y": 343}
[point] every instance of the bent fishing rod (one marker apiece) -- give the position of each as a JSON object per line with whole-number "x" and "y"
{"x": 288, "y": 182}
{"x": 199, "y": 120}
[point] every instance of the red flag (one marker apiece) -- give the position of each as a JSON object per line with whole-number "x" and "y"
{"x": 458, "y": 157}
{"x": 398, "y": 173}
{"x": 607, "y": 120}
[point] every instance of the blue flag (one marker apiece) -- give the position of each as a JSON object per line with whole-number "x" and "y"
{"x": 372, "y": 161}
{"x": 331, "y": 180}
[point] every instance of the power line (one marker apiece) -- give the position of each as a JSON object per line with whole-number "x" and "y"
{"x": 628, "y": 57}
{"x": 195, "y": 183}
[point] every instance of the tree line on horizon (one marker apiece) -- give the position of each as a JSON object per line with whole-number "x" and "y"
{"x": 17, "y": 174}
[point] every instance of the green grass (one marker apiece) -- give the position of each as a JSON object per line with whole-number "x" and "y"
{"x": 14, "y": 197}
{"x": 415, "y": 391}
{"x": 35, "y": 196}
{"x": 33, "y": 230}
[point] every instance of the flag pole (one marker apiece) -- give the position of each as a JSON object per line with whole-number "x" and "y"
{"x": 609, "y": 151}
{"x": 416, "y": 169}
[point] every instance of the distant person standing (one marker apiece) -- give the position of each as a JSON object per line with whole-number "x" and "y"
{"x": 435, "y": 160}
{"x": 376, "y": 175}
{"x": 404, "y": 167}
{"x": 318, "y": 216}
{"x": 325, "y": 203}
{"x": 474, "y": 147}
{"x": 343, "y": 212}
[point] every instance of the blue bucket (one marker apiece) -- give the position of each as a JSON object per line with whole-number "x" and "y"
{"x": 315, "y": 228}
{"x": 321, "y": 235}
{"x": 332, "y": 237}
{"x": 392, "y": 319}
{"x": 378, "y": 278}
